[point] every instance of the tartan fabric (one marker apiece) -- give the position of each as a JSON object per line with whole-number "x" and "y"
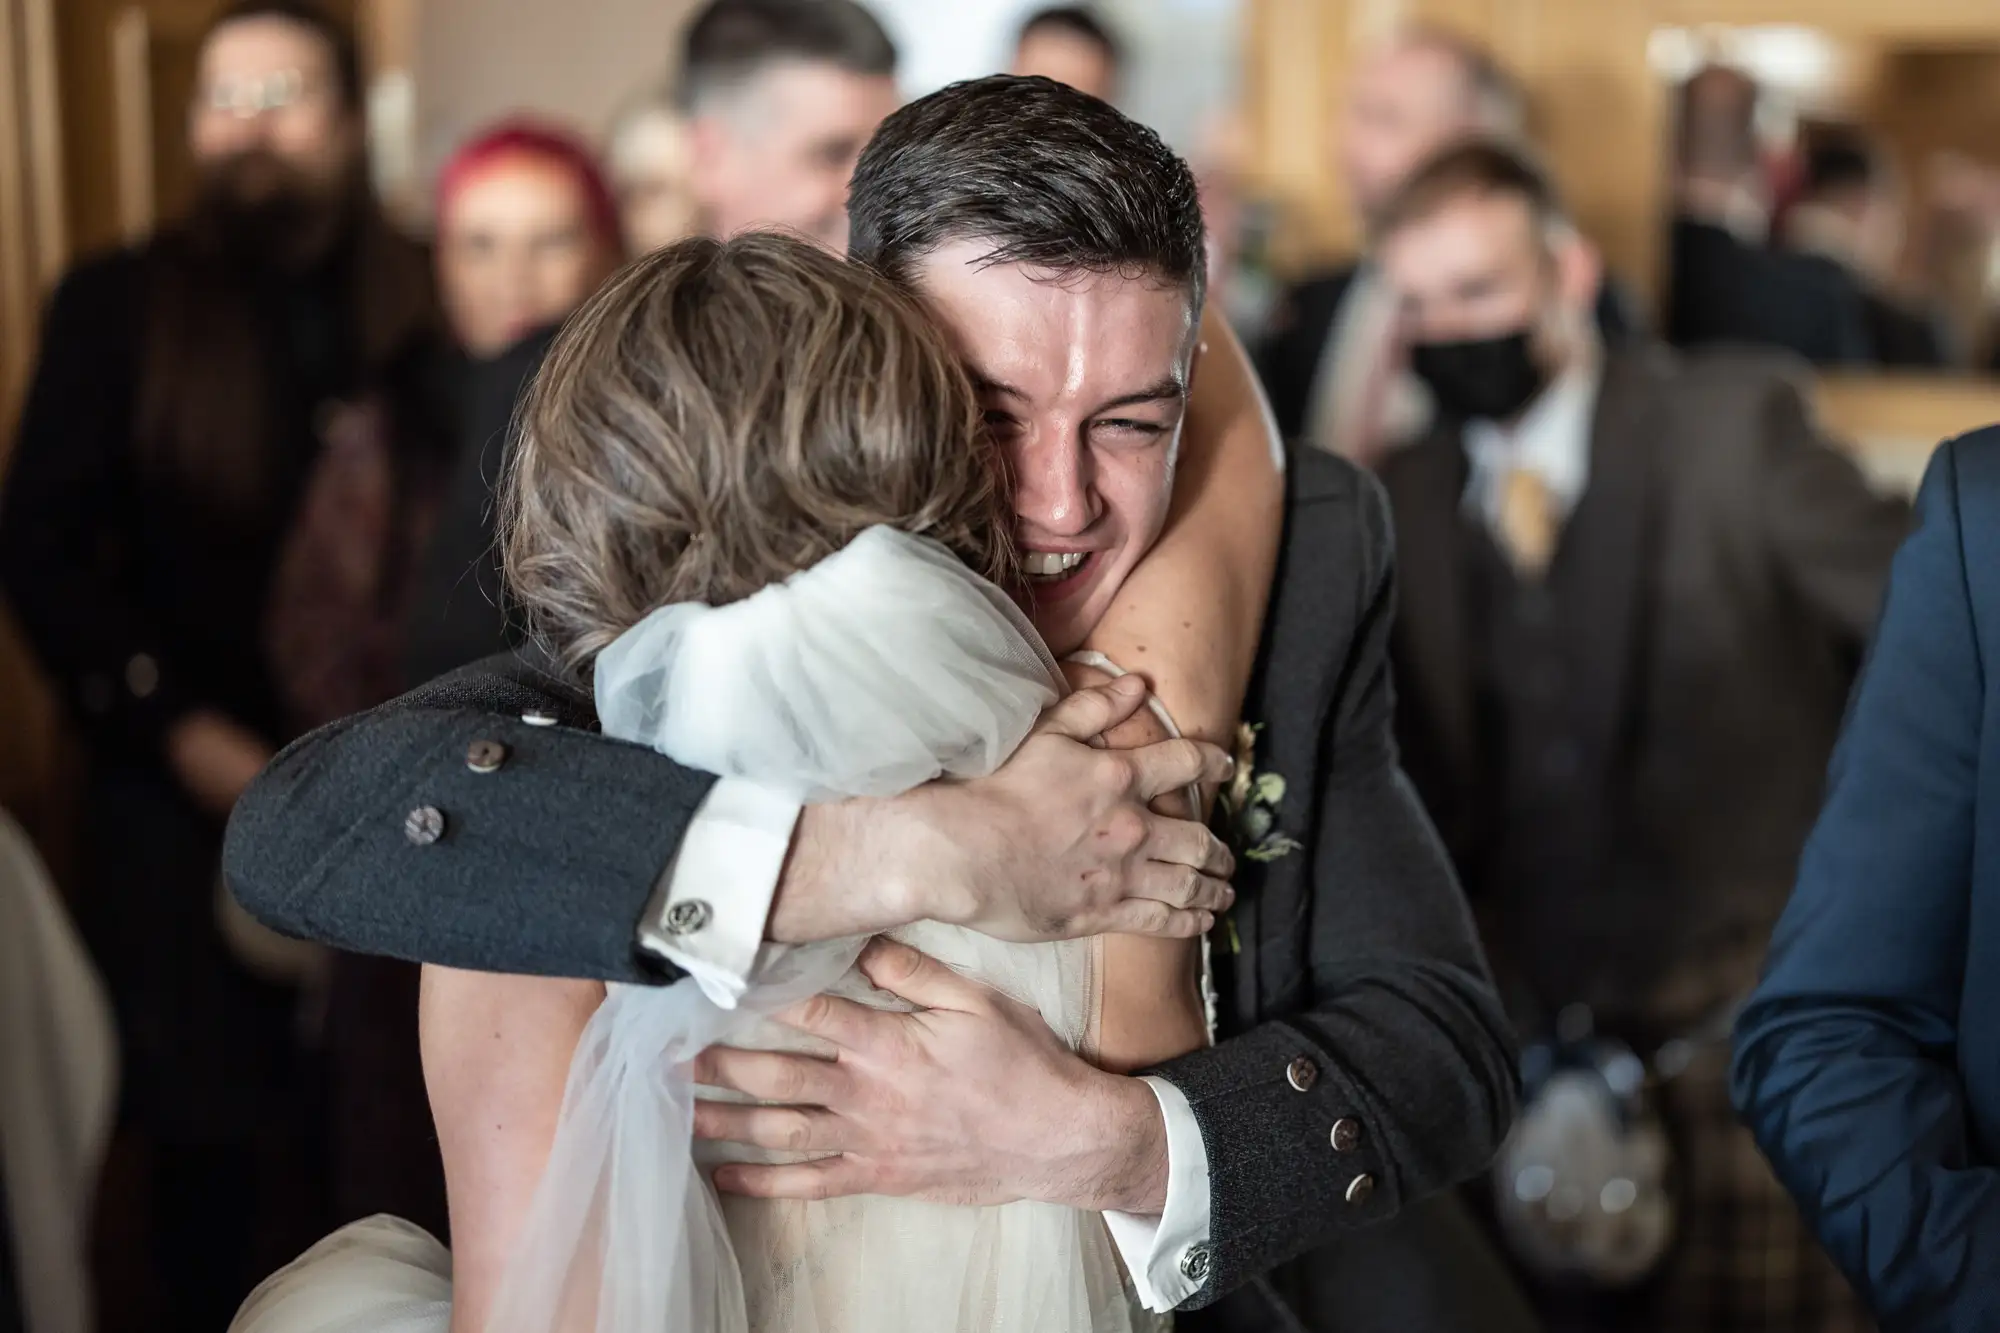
{"x": 1746, "y": 1262}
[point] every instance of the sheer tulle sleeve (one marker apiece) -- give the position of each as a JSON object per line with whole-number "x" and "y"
{"x": 880, "y": 668}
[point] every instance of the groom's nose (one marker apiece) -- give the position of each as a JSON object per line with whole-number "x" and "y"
{"x": 1052, "y": 483}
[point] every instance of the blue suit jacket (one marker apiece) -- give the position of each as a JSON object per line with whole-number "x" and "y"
{"x": 1868, "y": 1062}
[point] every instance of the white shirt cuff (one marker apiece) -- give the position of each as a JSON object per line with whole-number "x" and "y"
{"x": 708, "y": 913}
{"x": 1167, "y": 1255}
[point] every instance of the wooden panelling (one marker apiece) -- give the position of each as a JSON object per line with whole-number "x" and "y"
{"x": 1598, "y": 108}
{"x": 1912, "y": 21}
{"x": 1894, "y": 423}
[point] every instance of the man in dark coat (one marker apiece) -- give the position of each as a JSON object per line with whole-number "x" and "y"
{"x": 1634, "y": 592}
{"x": 1867, "y": 1062}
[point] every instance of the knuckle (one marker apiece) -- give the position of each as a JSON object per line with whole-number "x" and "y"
{"x": 1125, "y": 830}
{"x": 816, "y": 1012}
{"x": 788, "y": 1083}
{"x": 1190, "y": 885}
{"x": 1117, "y": 773}
{"x": 1185, "y": 754}
{"x": 797, "y": 1132}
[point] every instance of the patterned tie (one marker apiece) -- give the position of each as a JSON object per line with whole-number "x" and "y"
{"x": 1527, "y": 521}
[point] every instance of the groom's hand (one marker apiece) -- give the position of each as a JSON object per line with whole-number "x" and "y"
{"x": 1058, "y": 843}
{"x": 969, "y": 1100}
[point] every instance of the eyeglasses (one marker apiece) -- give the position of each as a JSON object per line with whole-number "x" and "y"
{"x": 249, "y": 98}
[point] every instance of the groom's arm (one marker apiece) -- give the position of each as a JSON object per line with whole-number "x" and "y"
{"x": 475, "y": 822}
{"x": 483, "y": 824}
{"x": 1405, "y": 1056}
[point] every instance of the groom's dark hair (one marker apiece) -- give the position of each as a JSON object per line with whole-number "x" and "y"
{"x": 1050, "y": 177}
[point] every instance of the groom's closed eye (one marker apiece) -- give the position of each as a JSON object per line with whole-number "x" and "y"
{"x": 1128, "y": 425}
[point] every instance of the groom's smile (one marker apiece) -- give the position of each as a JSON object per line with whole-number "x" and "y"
{"x": 1084, "y": 382}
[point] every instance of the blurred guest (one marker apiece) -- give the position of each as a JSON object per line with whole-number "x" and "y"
{"x": 1072, "y": 45}
{"x": 647, "y": 155}
{"x": 1633, "y": 591}
{"x": 526, "y": 229}
{"x": 202, "y": 536}
{"x": 58, "y": 1094}
{"x": 1239, "y": 281}
{"x": 1333, "y": 367}
{"x": 1868, "y": 1062}
{"x": 780, "y": 96}
{"x": 1958, "y": 241}
{"x": 1848, "y": 218}
{"x": 1726, "y": 285}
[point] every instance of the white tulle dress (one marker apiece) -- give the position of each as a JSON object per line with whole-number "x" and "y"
{"x": 882, "y": 667}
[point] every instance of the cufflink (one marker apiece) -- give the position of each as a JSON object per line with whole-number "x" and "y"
{"x": 1194, "y": 1264}
{"x": 687, "y": 916}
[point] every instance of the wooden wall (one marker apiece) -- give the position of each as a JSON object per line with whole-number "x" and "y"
{"x": 33, "y": 249}
{"x": 1598, "y": 109}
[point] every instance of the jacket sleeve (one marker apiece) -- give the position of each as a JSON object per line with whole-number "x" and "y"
{"x": 1407, "y": 1041}
{"x": 70, "y": 494}
{"x": 1845, "y": 1057}
{"x": 1831, "y": 534}
{"x": 543, "y": 865}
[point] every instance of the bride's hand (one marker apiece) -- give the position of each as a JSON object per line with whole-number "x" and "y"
{"x": 1059, "y": 843}
{"x": 969, "y": 1100}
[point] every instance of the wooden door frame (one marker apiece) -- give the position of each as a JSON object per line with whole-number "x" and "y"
{"x": 34, "y": 237}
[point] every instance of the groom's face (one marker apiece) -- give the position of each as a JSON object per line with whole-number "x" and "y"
{"x": 1084, "y": 380}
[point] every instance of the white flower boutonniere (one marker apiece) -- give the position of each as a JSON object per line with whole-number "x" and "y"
{"x": 1250, "y": 804}
{"x": 1249, "y": 808}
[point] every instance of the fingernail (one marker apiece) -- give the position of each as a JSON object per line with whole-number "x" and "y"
{"x": 1228, "y": 897}
{"x": 1127, "y": 684}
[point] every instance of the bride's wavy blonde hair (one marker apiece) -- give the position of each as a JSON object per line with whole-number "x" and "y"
{"x": 723, "y": 414}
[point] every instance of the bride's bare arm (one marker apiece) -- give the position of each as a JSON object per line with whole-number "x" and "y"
{"x": 497, "y": 1052}
{"x": 1190, "y": 616}
{"x": 1189, "y": 620}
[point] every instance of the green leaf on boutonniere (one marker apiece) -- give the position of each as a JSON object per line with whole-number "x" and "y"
{"x": 1249, "y": 806}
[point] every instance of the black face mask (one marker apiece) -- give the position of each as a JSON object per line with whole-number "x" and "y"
{"x": 1489, "y": 379}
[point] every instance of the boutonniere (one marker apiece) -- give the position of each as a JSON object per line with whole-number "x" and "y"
{"x": 1249, "y": 809}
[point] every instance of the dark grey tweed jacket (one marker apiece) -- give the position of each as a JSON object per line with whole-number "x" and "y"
{"x": 1357, "y": 955}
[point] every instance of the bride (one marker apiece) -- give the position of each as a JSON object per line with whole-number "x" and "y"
{"x": 753, "y": 497}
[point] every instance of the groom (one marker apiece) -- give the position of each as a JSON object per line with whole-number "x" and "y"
{"x": 1364, "y": 1062}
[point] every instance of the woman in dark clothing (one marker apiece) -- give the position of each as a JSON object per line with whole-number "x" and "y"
{"x": 526, "y": 229}
{"x": 175, "y": 537}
